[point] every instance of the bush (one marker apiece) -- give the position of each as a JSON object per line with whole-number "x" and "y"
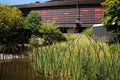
{"x": 51, "y": 33}
{"x": 88, "y": 32}
{"x": 32, "y": 22}
{"x": 11, "y": 21}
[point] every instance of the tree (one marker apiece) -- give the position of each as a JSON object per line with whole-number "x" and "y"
{"x": 11, "y": 20}
{"x": 111, "y": 15}
{"x": 32, "y": 22}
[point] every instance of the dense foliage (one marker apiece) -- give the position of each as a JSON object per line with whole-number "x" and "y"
{"x": 111, "y": 15}
{"x": 32, "y": 22}
{"x": 50, "y": 32}
{"x": 11, "y": 20}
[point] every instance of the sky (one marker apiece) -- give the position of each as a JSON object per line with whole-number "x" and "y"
{"x": 16, "y": 2}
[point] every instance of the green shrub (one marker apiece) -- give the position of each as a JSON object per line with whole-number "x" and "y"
{"x": 11, "y": 21}
{"x": 88, "y": 32}
{"x": 36, "y": 41}
{"x": 32, "y": 22}
{"x": 50, "y": 32}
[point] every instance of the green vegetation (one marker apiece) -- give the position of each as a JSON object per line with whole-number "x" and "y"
{"x": 77, "y": 59}
{"x": 88, "y": 32}
{"x": 47, "y": 31}
{"x": 111, "y": 16}
{"x": 81, "y": 58}
{"x": 33, "y": 22}
{"x": 111, "y": 13}
{"x": 11, "y": 20}
{"x": 50, "y": 33}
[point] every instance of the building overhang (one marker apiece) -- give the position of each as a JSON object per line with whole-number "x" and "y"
{"x": 59, "y": 3}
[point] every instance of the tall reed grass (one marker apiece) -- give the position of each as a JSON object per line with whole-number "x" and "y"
{"x": 78, "y": 60}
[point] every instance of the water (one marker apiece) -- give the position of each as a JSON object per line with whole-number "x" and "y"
{"x": 17, "y": 69}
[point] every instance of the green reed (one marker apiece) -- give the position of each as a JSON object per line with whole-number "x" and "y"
{"x": 76, "y": 60}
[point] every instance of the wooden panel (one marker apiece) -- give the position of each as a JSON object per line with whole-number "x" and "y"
{"x": 88, "y": 16}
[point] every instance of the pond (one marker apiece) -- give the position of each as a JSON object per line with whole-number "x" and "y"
{"x": 17, "y": 69}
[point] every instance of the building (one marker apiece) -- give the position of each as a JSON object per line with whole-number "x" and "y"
{"x": 67, "y": 13}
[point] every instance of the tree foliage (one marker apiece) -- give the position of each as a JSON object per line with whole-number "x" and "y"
{"x": 111, "y": 14}
{"x": 11, "y": 20}
{"x": 32, "y": 22}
